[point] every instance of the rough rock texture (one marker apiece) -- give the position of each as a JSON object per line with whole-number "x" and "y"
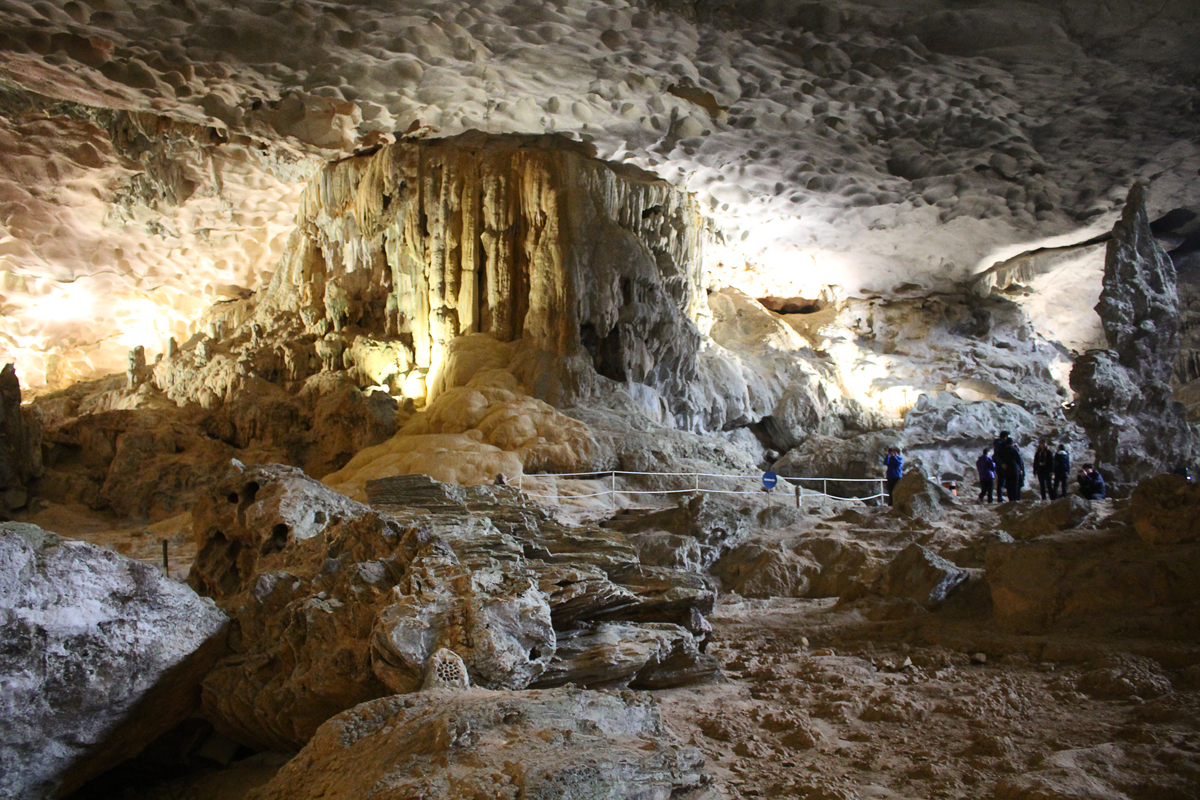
{"x": 337, "y": 603}
{"x": 401, "y": 250}
{"x": 1059, "y": 515}
{"x": 690, "y": 536}
{"x": 920, "y": 498}
{"x": 1096, "y": 582}
{"x": 99, "y": 654}
{"x": 1123, "y": 396}
{"x": 463, "y": 745}
{"x": 919, "y": 573}
{"x": 1166, "y": 510}
{"x": 20, "y": 444}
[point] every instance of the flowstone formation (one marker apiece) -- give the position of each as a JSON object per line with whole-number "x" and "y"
{"x": 397, "y": 252}
{"x": 1123, "y": 394}
{"x": 336, "y": 603}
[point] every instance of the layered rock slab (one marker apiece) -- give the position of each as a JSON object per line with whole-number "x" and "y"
{"x": 468, "y": 744}
{"x": 99, "y": 655}
{"x": 337, "y": 603}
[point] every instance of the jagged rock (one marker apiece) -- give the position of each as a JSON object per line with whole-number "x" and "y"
{"x": 464, "y": 745}
{"x": 1059, "y": 515}
{"x": 1166, "y": 510}
{"x": 828, "y": 457}
{"x": 643, "y": 656}
{"x": 1123, "y": 396}
{"x": 920, "y": 498}
{"x": 100, "y": 655}
{"x": 337, "y": 603}
{"x": 1095, "y": 582}
{"x": 690, "y": 536}
{"x": 805, "y": 566}
{"x": 1113, "y": 770}
{"x": 919, "y": 573}
{"x": 20, "y": 444}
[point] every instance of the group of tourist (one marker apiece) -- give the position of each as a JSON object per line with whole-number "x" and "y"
{"x": 1005, "y": 471}
{"x": 1002, "y": 471}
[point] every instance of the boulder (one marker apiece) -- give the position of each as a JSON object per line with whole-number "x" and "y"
{"x": 920, "y": 498}
{"x": 99, "y": 655}
{"x": 1166, "y": 510}
{"x": 829, "y": 457}
{"x": 1095, "y": 582}
{"x": 805, "y": 566}
{"x": 1063, "y": 513}
{"x": 690, "y": 536}
{"x": 919, "y": 573}
{"x": 463, "y": 745}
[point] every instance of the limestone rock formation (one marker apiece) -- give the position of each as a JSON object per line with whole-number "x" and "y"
{"x": 1059, "y": 515}
{"x": 337, "y": 602}
{"x": 920, "y": 498}
{"x": 20, "y": 444}
{"x": 690, "y": 536}
{"x": 100, "y": 655}
{"x": 920, "y": 574}
{"x": 1095, "y": 582}
{"x": 1166, "y": 510}
{"x": 461, "y": 745}
{"x": 1123, "y": 396}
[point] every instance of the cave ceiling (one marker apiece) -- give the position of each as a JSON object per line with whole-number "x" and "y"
{"x": 153, "y": 154}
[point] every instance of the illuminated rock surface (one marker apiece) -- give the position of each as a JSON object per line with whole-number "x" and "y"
{"x": 101, "y": 655}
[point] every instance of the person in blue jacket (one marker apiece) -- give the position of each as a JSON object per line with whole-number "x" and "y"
{"x": 1091, "y": 483}
{"x": 894, "y": 462}
{"x": 987, "y": 475}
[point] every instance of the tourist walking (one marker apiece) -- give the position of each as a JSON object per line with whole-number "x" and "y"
{"x": 987, "y": 475}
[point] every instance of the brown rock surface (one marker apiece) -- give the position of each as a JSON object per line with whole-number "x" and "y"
{"x": 463, "y": 745}
{"x": 1166, "y": 510}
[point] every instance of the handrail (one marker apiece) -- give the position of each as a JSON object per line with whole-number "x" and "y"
{"x": 611, "y": 492}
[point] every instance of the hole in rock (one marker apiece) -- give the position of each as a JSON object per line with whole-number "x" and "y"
{"x": 651, "y": 211}
{"x": 319, "y": 517}
{"x": 249, "y": 493}
{"x": 278, "y": 540}
{"x": 233, "y": 497}
{"x": 793, "y": 305}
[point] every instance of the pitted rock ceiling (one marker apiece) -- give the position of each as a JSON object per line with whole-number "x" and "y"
{"x": 153, "y": 154}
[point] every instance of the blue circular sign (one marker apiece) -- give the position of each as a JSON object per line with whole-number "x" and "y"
{"x": 770, "y": 479}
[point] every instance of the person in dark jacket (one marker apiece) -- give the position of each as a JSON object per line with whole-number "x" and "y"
{"x": 1091, "y": 483}
{"x": 1043, "y": 468}
{"x": 894, "y": 463}
{"x": 987, "y": 475}
{"x": 1062, "y": 468}
{"x": 999, "y": 448}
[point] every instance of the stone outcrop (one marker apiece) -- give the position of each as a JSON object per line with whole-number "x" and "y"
{"x": 1123, "y": 394}
{"x": 337, "y": 602}
{"x": 99, "y": 655}
{"x": 1095, "y": 583}
{"x": 919, "y": 573}
{"x": 920, "y": 498}
{"x": 20, "y": 444}
{"x": 462, "y": 745}
{"x": 1059, "y": 515}
{"x": 690, "y": 536}
{"x": 1166, "y": 510}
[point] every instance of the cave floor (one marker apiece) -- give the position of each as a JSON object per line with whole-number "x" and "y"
{"x": 876, "y": 709}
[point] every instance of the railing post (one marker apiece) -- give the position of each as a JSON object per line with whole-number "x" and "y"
{"x": 825, "y": 487}
{"x": 612, "y": 493}
{"x": 799, "y": 493}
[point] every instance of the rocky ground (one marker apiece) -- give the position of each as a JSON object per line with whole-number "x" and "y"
{"x": 877, "y": 695}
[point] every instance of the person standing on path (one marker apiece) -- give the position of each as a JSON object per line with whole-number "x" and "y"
{"x": 987, "y": 475}
{"x": 1062, "y": 467}
{"x": 999, "y": 457}
{"x": 1043, "y": 468}
{"x": 894, "y": 463}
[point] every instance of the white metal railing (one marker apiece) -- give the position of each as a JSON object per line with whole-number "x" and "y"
{"x": 611, "y": 491}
